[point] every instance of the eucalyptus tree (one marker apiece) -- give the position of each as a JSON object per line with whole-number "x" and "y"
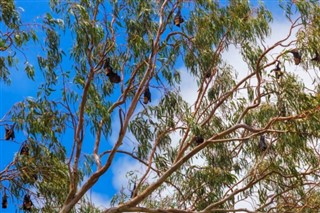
{"x": 111, "y": 72}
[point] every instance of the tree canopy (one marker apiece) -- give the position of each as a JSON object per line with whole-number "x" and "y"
{"x": 109, "y": 72}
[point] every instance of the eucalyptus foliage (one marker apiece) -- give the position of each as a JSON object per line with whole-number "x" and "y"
{"x": 221, "y": 129}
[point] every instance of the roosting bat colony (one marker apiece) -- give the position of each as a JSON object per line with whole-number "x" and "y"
{"x": 278, "y": 74}
{"x": 24, "y": 151}
{"x": 115, "y": 79}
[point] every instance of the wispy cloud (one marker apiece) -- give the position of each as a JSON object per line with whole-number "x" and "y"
{"x": 120, "y": 170}
{"x": 100, "y": 201}
{"x": 188, "y": 86}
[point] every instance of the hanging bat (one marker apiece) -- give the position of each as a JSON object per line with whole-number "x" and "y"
{"x": 277, "y": 70}
{"x": 296, "y": 56}
{"x": 262, "y": 143}
{"x": 9, "y": 135}
{"x": 178, "y": 19}
{"x": 106, "y": 65}
{"x": 199, "y": 140}
{"x": 134, "y": 192}
{"x": 147, "y": 96}
{"x": 113, "y": 77}
{"x": 24, "y": 150}
{"x": 4, "y": 201}
{"x": 207, "y": 74}
{"x": 316, "y": 58}
{"x": 27, "y": 203}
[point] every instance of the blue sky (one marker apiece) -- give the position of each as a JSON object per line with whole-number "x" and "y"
{"x": 21, "y": 87}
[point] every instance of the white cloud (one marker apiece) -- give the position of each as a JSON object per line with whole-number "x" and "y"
{"x": 129, "y": 141}
{"x": 120, "y": 169}
{"x": 188, "y": 86}
{"x": 100, "y": 201}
